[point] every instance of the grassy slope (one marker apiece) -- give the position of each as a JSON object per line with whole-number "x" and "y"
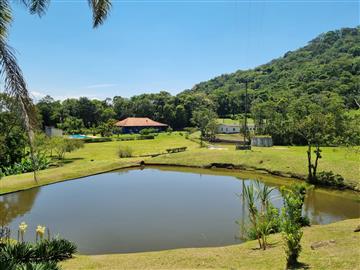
{"x": 104, "y": 156}
{"x": 344, "y": 254}
{"x": 278, "y": 158}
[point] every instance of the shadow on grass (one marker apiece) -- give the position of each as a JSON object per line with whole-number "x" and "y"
{"x": 60, "y": 162}
{"x": 299, "y": 266}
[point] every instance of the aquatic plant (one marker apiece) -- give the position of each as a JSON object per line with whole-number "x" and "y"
{"x": 263, "y": 220}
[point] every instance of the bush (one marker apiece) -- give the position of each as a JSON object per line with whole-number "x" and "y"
{"x": 40, "y": 256}
{"x": 54, "y": 250}
{"x": 190, "y": 129}
{"x": 292, "y": 222}
{"x": 26, "y": 165}
{"x": 62, "y": 145}
{"x": 95, "y": 140}
{"x": 146, "y": 137}
{"x": 330, "y": 179}
{"x": 123, "y": 138}
{"x": 147, "y": 131}
{"x": 125, "y": 151}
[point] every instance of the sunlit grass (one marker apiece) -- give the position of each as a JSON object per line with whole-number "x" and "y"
{"x": 343, "y": 254}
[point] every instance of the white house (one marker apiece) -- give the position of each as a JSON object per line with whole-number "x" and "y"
{"x": 233, "y": 128}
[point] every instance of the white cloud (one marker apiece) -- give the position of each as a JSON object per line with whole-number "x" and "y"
{"x": 103, "y": 85}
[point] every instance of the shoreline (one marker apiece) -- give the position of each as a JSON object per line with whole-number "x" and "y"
{"x": 225, "y": 166}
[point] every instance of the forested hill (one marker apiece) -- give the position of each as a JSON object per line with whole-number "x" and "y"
{"x": 330, "y": 62}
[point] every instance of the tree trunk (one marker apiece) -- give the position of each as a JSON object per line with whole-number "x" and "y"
{"x": 310, "y": 175}
{"x": 318, "y": 155}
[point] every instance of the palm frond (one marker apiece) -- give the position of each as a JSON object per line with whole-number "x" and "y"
{"x": 100, "y": 10}
{"x": 15, "y": 85}
{"x": 38, "y": 7}
{"x": 5, "y": 18}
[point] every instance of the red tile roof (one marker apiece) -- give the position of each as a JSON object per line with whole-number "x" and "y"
{"x": 139, "y": 122}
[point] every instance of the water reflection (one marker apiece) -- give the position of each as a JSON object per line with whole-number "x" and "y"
{"x": 15, "y": 205}
{"x": 151, "y": 209}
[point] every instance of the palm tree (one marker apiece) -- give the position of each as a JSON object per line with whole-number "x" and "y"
{"x": 14, "y": 82}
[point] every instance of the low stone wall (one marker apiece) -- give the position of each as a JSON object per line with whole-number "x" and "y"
{"x": 262, "y": 141}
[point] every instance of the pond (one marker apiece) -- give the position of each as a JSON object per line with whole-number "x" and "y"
{"x": 154, "y": 209}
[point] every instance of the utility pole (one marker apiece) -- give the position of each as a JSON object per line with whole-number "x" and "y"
{"x": 245, "y": 113}
{"x": 245, "y": 131}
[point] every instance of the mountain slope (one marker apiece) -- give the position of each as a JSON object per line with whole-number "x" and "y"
{"x": 330, "y": 62}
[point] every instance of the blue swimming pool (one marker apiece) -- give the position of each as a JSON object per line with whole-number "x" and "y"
{"x": 78, "y": 136}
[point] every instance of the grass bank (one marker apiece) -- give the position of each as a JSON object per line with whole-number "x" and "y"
{"x": 95, "y": 158}
{"x": 342, "y": 254}
{"x": 287, "y": 160}
{"x": 101, "y": 157}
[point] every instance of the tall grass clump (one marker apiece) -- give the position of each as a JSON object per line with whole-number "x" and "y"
{"x": 125, "y": 151}
{"x": 263, "y": 216}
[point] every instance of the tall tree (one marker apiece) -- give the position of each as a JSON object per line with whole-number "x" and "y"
{"x": 14, "y": 82}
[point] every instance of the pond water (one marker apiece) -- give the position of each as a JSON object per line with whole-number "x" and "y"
{"x": 152, "y": 209}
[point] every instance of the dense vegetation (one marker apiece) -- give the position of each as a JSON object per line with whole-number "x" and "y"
{"x": 330, "y": 62}
{"x": 325, "y": 72}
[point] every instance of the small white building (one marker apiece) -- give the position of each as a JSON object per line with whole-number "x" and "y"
{"x": 233, "y": 128}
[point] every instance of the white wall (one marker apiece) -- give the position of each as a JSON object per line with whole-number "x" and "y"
{"x": 223, "y": 128}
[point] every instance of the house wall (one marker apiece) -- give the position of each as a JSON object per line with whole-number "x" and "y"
{"x": 228, "y": 129}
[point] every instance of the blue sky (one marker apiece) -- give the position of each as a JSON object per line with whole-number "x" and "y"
{"x": 148, "y": 46}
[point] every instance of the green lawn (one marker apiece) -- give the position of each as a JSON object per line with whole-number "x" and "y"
{"x": 101, "y": 157}
{"x": 286, "y": 159}
{"x": 231, "y": 137}
{"x": 343, "y": 254}
{"x": 95, "y": 158}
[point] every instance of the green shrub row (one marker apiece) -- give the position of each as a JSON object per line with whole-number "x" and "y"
{"x": 42, "y": 255}
{"x": 94, "y": 140}
{"x": 25, "y": 165}
{"x": 133, "y": 138}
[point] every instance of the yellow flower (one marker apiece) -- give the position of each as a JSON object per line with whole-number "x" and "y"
{"x": 40, "y": 230}
{"x": 22, "y": 227}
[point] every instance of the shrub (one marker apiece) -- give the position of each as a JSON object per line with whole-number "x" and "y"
{"x": 54, "y": 250}
{"x": 292, "y": 222}
{"x": 41, "y": 256}
{"x": 95, "y": 140}
{"x": 125, "y": 151}
{"x": 123, "y": 138}
{"x": 146, "y": 137}
{"x": 330, "y": 179}
{"x": 147, "y": 131}
{"x": 62, "y": 145}
{"x": 26, "y": 165}
{"x": 190, "y": 129}
{"x": 37, "y": 266}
